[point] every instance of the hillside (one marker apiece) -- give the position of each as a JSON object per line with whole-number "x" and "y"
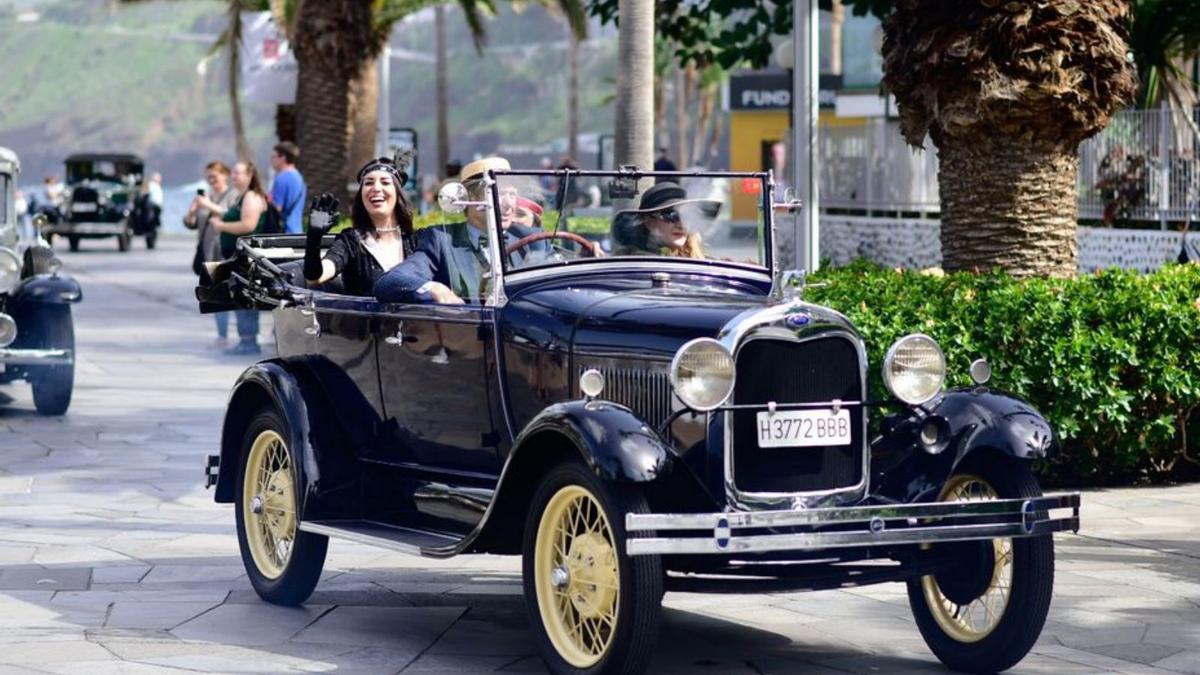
{"x": 93, "y": 75}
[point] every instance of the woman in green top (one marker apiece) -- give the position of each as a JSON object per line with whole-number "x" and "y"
{"x": 244, "y": 217}
{"x": 247, "y": 213}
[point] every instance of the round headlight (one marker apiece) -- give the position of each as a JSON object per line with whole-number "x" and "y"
{"x": 914, "y": 369}
{"x": 10, "y": 270}
{"x": 702, "y": 374}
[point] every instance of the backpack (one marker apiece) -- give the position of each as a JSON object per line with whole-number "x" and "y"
{"x": 272, "y": 222}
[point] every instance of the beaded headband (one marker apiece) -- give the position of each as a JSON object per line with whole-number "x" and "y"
{"x": 397, "y": 166}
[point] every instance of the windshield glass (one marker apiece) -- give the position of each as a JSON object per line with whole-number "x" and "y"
{"x": 551, "y": 219}
{"x": 102, "y": 170}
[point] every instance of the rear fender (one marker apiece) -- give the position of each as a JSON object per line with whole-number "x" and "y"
{"x": 609, "y": 438}
{"x": 295, "y": 389}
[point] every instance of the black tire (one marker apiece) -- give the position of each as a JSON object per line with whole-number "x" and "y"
{"x": 639, "y": 578}
{"x": 298, "y": 576}
{"x": 73, "y": 242}
{"x": 123, "y": 242}
{"x": 53, "y": 385}
{"x": 151, "y": 239}
{"x": 1032, "y": 584}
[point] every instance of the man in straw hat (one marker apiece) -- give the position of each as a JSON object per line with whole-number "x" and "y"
{"x": 451, "y": 261}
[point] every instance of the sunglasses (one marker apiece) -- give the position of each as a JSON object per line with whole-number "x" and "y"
{"x": 669, "y": 215}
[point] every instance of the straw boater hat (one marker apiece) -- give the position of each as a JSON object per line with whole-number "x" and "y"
{"x": 475, "y": 169}
{"x": 665, "y": 195}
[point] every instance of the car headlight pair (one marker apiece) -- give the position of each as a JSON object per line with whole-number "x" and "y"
{"x": 702, "y": 372}
{"x": 10, "y": 270}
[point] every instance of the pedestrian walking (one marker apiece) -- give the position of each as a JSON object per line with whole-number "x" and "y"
{"x": 218, "y": 199}
{"x": 288, "y": 191}
{"x": 246, "y": 216}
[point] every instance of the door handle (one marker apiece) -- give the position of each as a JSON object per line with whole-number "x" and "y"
{"x": 398, "y": 338}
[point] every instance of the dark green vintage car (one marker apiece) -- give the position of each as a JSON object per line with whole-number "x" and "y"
{"x": 101, "y": 200}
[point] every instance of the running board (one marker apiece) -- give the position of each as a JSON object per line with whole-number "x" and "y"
{"x": 393, "y": 537}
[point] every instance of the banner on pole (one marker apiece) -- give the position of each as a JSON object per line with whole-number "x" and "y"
{"x": 268, "y": 66}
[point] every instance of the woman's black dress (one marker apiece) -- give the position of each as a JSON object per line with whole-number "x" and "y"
{"x": 359, "y": 269}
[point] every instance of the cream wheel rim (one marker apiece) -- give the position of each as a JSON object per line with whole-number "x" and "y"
{"x": 975, "y": 620}
{"x": 269, "y": 504}
{"x": 576, "y": 576}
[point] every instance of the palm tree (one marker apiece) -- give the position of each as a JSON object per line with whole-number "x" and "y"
{"x": 336, "y": 45}
{"x": 1165, "y": 35}
{"x": 634, "y": 127}
{"x": 1007, "y": 91}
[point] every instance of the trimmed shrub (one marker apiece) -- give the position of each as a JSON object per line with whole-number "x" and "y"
{"x": 1111, "y": 359}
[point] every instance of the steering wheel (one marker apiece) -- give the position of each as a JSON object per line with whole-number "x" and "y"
{"x": 591, "y": 249}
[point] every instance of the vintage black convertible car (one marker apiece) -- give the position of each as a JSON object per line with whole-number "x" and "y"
{"x": 633, "y": 422}
{"x": 37, "y": 336}
{"x": 103, "y": 200}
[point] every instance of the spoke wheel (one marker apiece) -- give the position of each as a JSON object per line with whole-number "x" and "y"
{"x": 978, "y": 616}
{"x": 283, "y": 563}
{"x": 577, "y": 576}
{"x": 594, "y": 609}
{"x": 984, "y": 611}
{"x": 268, "y": 501}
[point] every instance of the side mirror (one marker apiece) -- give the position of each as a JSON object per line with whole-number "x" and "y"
{"x": 452, "y": 198}
{"x": 40, "y": 221}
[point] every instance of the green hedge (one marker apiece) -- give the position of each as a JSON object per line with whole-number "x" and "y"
{"x": 1112, "y": 359}
{"x": 580, "y": 224}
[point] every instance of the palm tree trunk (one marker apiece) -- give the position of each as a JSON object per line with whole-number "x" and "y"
{"x": 681, "y": 118}
{"x": 1008, "y": 202}
{"x": 242, "y": 147}
{"x": 443, "y": 107}
{"x": 364, "y": 114}
{"x": 633, "y": 129}
{"x": 572, "y": 95}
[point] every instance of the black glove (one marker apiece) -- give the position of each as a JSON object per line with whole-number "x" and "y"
{"x": 322, "y": 215}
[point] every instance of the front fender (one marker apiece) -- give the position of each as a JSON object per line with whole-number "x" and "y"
{"x": 977, "y": 420}
{"x": 616, "y": 443}
{"x": 47, "y": 289}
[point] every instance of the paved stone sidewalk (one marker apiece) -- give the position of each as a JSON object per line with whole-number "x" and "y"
{"x": 113, "y": 559}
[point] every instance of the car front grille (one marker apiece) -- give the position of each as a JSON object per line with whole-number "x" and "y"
{"x": 820, "y": 369}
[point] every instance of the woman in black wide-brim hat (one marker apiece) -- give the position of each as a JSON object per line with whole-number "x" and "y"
{"x": 381, "y": 236}
{"x": 656, "y": 226}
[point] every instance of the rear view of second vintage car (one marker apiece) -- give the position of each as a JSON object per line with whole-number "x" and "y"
{"x": 636, "y": 400}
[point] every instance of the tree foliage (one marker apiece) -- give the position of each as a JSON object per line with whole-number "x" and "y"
{"x": 728, "y": 32}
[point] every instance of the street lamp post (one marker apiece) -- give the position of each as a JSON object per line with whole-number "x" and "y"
{"x": 805, "y": 82}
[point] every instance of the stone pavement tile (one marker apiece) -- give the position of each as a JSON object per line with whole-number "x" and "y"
{"x": 488, "y": 589}
{"x": 154, "y": 615}
{"x": 169, "y": 574}
{"x": 1183, "y": 662}
{"x": 1136, "y": 652}
{"x": 10, "y": 554}
{"x": 18, "y": 670}
{"x": 1095, "y": 660}
{"x": 398, "y": 628}
{"x": 74, "y": 555}
{"x": 1185, "y": 634}
{"x": 42, "y": 653}
{"x": 37, "y": 577}
{"x": 262, "y": 624}
{"x": 417, "y": 587}
{"x": 114, "y": 667}
{"x": 481, "y": 635}
{"x": 430, "y": 664}
{"x": 114, "y": 574}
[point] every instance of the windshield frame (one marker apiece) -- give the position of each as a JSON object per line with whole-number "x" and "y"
{"x": 766, "y": 200}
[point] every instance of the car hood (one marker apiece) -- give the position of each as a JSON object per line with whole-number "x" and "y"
{"x": 635, "y": 317}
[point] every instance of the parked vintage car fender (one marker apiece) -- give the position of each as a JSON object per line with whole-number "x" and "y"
{"x": 975, "y": 421}
{"x": 272, "y": 382}
{"x": 47, "y": 289}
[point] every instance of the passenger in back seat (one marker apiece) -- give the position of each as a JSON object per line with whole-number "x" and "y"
{"x": 381, "y": 235}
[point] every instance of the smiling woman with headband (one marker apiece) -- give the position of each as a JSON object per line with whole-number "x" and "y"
{"x": 382, "y": 232}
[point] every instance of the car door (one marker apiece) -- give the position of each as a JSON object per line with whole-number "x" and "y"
{"x": 437, "y": 377}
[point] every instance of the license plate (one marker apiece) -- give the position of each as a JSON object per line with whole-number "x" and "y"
{"x": 803, "y": 428}
{"x": 83, "y": 208}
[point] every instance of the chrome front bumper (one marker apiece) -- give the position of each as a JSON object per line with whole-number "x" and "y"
{"x": 894, "y": 524}
{"x": 84, "y": 228}
{"x": 37, "y": 357}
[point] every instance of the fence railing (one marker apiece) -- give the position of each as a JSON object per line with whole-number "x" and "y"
{"x": 1145, "y": 166}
